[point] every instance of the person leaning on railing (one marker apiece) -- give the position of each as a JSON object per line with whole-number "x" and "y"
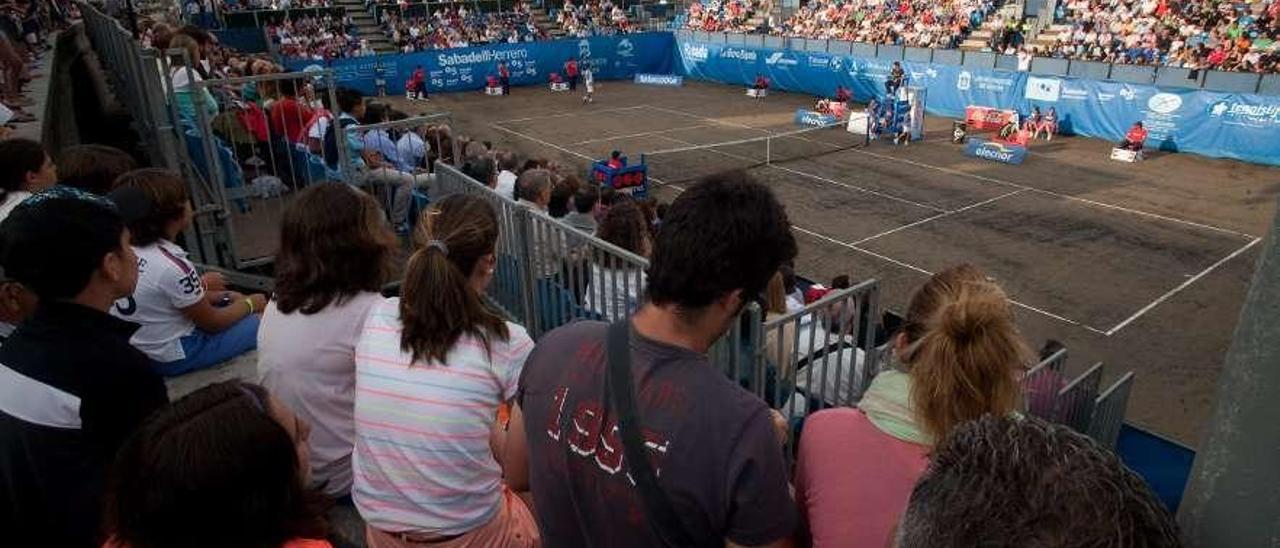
{"x": 957, "y": 357}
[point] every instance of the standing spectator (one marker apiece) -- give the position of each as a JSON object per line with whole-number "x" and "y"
{"x": 93, "y": 168}
{"x": 335, "y": 254}
{"x": 24, "y": 169}
{"x": 715, "y": 447}
{"x": 185, "y": 324}
{"x": 432, "y": 367}
{"x": 1019, "y": 481}
{"x": 584, "y": 205}
{"x": 224, "y": 466}
{"x": 956, "y": 358}
{"x": 73, "y": 387}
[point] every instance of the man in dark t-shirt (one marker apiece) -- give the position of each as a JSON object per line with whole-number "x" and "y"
{"x": 714, "y": 447}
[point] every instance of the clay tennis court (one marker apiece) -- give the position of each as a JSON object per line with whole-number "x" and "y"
{"x": 1141, "y": 266}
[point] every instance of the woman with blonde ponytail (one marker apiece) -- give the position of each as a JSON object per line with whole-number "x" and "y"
{"x": 432, "y": 368}
{"x": 957, "y": 357}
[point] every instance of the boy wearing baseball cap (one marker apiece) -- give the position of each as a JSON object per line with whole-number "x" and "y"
{"x": 72, "y": 388}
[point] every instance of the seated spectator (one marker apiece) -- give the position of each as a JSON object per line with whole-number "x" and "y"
{"x": 616, "y": 288}
{"x": 957, "y": 357}
{"x": 288, "y": 115}
{"x": 779, "y": 345}
{"x": 1135, "y": 138}
{"x": 335, "y": 255}
{"x": 93, "y": 168}
{"x": 1033, "y": 121}
{"x": 224, "y": 466}
{"x": 506, "y": 180}
{"x": 414, "y": 148}
{"x": 561, "y": 193}
{"x": 183, "y": 80}
{"x": 24, "y": 170}
{"x": 1048, "y": 124}
{"x": 188, "y": 322}
{"x": 74, "y": 388}
{"x": 585, "y": 201}
{"x": 615, "y": 160}
{"x": 1005, "y": 482}
{"x": 715, "y": 447}
{"x": 432, "y": 368}
{"x": 375, "y": 157}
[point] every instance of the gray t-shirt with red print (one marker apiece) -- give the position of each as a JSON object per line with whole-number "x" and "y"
{"x": 713, "y": 446}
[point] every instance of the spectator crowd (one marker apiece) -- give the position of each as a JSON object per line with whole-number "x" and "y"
{"x": 1195, "y": 34}
{"x": 592, "y": 17}
{"x": 25, "y": 26}
{"x": 318, "y": 37}
{"x": 456, "y": 27}
{"x": 232, "y": 6}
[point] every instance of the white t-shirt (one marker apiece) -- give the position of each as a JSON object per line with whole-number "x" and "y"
{"x": 167, "y": 283}
{"x": 422, "y": 459}
{"x": 506, "y": 186}
{"x": 309, "y": 363}
{"x": 11, "y": 200}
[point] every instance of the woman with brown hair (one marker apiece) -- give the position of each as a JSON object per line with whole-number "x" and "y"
{"x": 335, "y": 254}
{"x": 432, "y": 368}
{"x": 615, "y": 290}
{"x": 957, "y": 357}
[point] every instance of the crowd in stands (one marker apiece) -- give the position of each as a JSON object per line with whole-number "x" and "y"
{"x": 231, "y": 6}
{"x": 24, "y": 31}
{"x": 322, "y": 37}
{"x": 919, "y": 23}
{"x": 592, "y": 17}
{"x": 1196, "y": 34}
{"x": 438, "y": 421}
{"x": 457, "y": 27}
{"x": 726, "y": 16}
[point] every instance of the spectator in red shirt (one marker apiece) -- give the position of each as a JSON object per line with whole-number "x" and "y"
{"x": 417, "y": 85}
{"x": 1134, "y": 139}
{"x": 288, "y": 115}
{"x": 615, "y": 160}
{"x": 843, "y": 95}
{"x": 571, "y": 71}
{"x": 761, "y": 82}
{"x": 504, "y": 77}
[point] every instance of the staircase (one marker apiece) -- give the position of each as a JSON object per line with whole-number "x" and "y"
{"x": 367, "y": 26}
{"x": 1045, "y": 39}
{"x": 980, "y": 38}
{"x": 545, "y": 23}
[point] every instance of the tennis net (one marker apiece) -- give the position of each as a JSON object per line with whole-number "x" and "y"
{"x": 687, "y": 163}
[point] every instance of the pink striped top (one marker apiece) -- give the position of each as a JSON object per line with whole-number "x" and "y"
{"x": 422, "y": 460}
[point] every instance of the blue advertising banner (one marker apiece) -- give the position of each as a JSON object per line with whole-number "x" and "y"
{"x": 668, "y": 80}
{"x": 806, "y": 117}
{"x": 1225, "y": 125}
{"x": 458, "y": 69}
{"x": 1004, "y": 153}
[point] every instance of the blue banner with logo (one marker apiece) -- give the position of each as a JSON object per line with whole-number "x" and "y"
{"x": 995, "y": 151}
{"x": 668, "y": 80}
{"x": 459, "y": 69}
{"x": 806, "y": 117}
{"x": 1226, "y": 125}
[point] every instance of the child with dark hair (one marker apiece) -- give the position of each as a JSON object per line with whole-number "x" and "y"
{"x": 72, "y": 388}
{"x": 335, "y": 255}
{"x": 432, "y": 368}
{"x": 93, "y": 168}
{"x": 224, "y": 466}
{"x": 188, "y": 322}
{"x": 24, "y": 169}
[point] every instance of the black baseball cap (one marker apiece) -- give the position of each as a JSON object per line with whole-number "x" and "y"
{"x": 54, "y": 240}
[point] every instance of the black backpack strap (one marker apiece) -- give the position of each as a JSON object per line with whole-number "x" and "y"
{"x": 619, "y": 388}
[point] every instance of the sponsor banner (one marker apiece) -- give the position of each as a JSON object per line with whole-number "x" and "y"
{"x": 984, "y": 118}
{"x": 995, "y": 151}
{"x": 812, "y": 118}
{"x": 458, "y": 69}
{"x": 670, "y": 80}
{"x": 1241, "y": 126}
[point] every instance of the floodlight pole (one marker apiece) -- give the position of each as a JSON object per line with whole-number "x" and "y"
{"x": 1233, "y": 495}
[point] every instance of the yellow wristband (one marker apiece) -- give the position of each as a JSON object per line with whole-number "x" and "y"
{"x": 249, "y": 302}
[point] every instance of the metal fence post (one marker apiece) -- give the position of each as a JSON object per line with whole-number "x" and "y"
{"x": 1233, "y": 495}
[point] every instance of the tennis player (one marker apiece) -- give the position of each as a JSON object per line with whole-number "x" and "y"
{"x": 588, "y": 79}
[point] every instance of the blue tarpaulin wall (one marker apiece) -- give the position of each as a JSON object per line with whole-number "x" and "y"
{"x": 1225, "y": 125}
{"x": 460, "y": 69}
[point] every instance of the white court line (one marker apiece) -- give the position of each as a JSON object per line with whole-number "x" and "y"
{"x": 541, "y": 142}
{"x": 569, "y": 113}
{"x": 938, "y": 216}
{"x": 647, "y": 133}
{"x": 1181, "y": 286}
{"x": 812, "y": 176}
{"x": 720, "y": 122}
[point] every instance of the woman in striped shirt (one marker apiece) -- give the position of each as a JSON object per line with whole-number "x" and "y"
{"x": 432, "y": 368}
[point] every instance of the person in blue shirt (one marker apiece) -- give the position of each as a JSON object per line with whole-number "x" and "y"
{"x": 392, "y": 184}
